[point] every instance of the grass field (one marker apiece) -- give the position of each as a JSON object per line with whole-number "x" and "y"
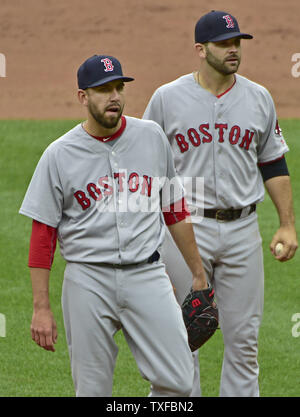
{"x": 28, "y": 371}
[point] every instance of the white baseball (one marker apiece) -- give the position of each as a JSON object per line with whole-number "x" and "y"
{"x": 278, "y": 249}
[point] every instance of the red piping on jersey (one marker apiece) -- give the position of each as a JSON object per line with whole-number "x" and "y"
{"x": 228, "y": 89}
{"x": 261, "y": 164}
{"x": 42, "y": 245}
{"x": 115, "y": 135}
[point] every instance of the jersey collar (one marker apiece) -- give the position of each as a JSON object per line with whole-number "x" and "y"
{"x": 228, "y": 89}
{"x": 116, "y": 135}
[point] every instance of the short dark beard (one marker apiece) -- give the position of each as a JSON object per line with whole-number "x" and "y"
{"x": 219, "y": 65}
{"x": 100, "y": 117}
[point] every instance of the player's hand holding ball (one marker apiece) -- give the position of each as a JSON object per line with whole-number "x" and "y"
{"x": 278, "y": 249}
{"x": 284, "y": 243}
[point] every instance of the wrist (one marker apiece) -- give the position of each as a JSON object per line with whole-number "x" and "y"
{"x": 41, "y": 309}
{"x": 200, "y": 282}
{"x": 41, "y": 303}
{"x": 287, "y": 224}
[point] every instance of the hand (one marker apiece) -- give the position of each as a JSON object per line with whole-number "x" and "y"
{"x": 287, "y": 236}
{"x": 43, "y": 329}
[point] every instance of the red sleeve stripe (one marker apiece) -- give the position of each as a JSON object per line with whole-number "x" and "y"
{"x": 261, "y": 164}
{"x": 42, "y": 245}
{"x": 176, "y": 212}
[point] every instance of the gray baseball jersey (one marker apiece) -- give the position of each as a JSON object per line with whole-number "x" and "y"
{"x": 220, "y": 139}
{"x": 105, "y": 200}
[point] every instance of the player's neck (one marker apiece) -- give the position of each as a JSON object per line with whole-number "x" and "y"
{"x": 93, "y": 128}
{"x": 215, "y": 83}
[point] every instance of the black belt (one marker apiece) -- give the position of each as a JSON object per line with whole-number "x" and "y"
{"x": 153, "y": 258}
{"x": 227, "y": 215}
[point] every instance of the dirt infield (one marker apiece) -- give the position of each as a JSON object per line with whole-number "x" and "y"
{"x": 44, "y": 42}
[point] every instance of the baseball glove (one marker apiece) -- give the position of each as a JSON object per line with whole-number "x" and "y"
{"x": 200, "y": 315}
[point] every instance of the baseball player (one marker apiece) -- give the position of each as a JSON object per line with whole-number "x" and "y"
{"x": 99, "y": 188}
{"x": 223, "y": 128}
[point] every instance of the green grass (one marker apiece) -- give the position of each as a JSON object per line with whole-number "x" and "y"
{"x": 26, "y": 370}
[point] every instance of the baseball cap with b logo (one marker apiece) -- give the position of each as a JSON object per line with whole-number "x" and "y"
{"x": 218, "y": 26}
{"x": 98, "y": 70}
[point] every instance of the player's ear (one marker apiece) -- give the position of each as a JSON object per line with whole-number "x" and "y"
{"x": 82, "y": 97}
{"x": 200, "y": 50}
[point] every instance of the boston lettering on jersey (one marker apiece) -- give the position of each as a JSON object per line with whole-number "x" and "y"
{"x": 104, "y": 187}
{"x": 234, "y": 135}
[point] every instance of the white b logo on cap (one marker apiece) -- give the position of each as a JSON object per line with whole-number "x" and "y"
{"x": 108, "y": 64}
{"x": 229, "y": 21}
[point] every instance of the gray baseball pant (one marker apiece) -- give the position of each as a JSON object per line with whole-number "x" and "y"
{"x": 233, "y": 261}
{"x": 98, "y": 301}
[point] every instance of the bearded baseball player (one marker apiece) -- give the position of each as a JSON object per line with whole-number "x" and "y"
{"x": 97, "y": 189}
{"x": 223, "y": 128}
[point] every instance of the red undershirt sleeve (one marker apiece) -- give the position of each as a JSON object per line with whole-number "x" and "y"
{"x": 42, "y": 245}
{"x": 176, "y": 212}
